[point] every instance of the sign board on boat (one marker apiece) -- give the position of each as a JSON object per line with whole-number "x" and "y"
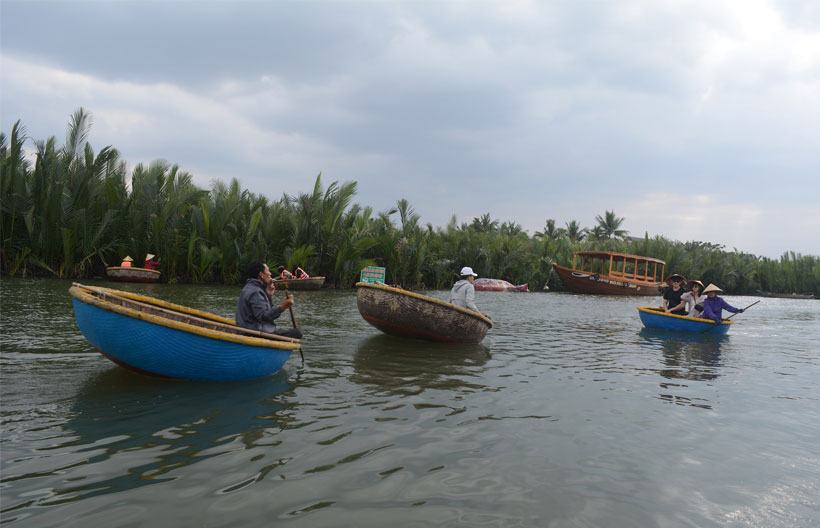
{"x": 372, "y": 274}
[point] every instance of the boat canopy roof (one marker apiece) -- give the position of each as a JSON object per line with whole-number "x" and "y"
{"x": 607, "y": 255}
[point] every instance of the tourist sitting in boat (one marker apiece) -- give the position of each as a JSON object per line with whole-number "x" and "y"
{"x": 151, "y": 261}
{"x": 672, "y": 297}
{"x": 713, "y": 305}
{"x": 694, "y": 298}
{"x": 255, "y": 309}
{"x": 284, "y": 273}
{"x": 126, "y": 262}
{"x": 463, "y": 292}
{"x": 299, "y": 273}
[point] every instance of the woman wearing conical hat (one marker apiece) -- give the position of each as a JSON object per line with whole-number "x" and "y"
{"x": 151, "y": 261}
{"x": 713, "y": 305}
{"x": 694, "y": 298}
{"x": 126, "y": 262}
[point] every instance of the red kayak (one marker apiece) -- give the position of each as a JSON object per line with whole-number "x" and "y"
{"x": 498, "y": 285}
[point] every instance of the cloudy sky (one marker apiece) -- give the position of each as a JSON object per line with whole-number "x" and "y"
{"x": 696, "y": 120}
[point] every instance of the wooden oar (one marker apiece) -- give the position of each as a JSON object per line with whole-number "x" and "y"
{"x": 292, "y": 317}
{"x": 194, "y": 319}
{"x": 734, "y": 314}
{"x": 293, "y": 320}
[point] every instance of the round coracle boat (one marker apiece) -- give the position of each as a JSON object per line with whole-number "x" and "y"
{"x": 162, "y": 339}
{"x": 131, "y": 274}
{"x": 311, "y": 283}
{"x": 654, "y": 317}
{"x": 407, "y": 314}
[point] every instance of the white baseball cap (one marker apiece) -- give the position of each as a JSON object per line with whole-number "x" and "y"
{"x": 467, "y": 270}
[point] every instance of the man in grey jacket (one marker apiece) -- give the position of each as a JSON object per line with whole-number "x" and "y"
{"x": 463, "y": 292}
{"x": 255, "y": 310}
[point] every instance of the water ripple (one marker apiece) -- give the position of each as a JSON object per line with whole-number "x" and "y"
{"x": 569, "y": 413}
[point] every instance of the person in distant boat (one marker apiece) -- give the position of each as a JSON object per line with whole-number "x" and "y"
{"x": 151, "y": 261}
{"x": 463, "y": 292}
{"x": 713, "y": 305}
{"x": 126, "y": 262}
{"x": 299, "y": 273}
{"x": 284, "y": 273}
{"x": 694, "y": 298}
{"x": 255, "y": 309}
{"x": 672, "y": 297}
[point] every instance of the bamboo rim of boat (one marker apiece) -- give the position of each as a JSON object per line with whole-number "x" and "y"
{"x": 256, "y": 338}
{"x": 432, "y": 300}
{"x": 657, "y": 310}
{"x": 132, "y": 268}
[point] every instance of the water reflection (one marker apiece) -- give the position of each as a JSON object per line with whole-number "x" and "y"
{"x": 686, "y": 356}
{"x": 406, "y": 367}
{"x": 131, "y": 431}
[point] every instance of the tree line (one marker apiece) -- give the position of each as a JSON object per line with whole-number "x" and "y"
{"x": 68, "y": 211}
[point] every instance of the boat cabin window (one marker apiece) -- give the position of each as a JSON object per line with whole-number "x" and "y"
{"x": 620, "y": 266}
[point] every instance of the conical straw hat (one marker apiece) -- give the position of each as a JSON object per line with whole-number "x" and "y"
{"x": 713, "y": 288}
{"x": 129, "y": 259}
{"x": 149, "y": 256}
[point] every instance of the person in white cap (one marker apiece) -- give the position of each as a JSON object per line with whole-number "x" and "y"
{"x": 713, "y": 306}
{"x": 463, "y": 292}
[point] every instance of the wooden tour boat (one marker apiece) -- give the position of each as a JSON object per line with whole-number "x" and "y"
{"x": 610, "y": 273}
{"x": 158, "y": 338}
{"x": 786, "y": 295}
{"x": 406, "y": 314}
{"x": 312, "y": 283}
{"x": 656, "y": 318}
{"x": 131, "y": 274}
{"x": 498, "y": 285}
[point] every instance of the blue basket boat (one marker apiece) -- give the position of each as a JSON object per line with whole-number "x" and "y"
{"x": 158, "y": 338}
{"x": 656, "y": 318}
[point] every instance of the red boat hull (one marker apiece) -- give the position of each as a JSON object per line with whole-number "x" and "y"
{"x": 584, "y": 282}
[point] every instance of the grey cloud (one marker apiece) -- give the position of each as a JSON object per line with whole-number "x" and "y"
{"x": 582, "y": 103}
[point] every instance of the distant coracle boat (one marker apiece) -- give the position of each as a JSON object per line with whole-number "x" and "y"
{"x": 162, "y": 339}
{"x": 786, "y": 295}
{"x": 131, "y": 274}
{"x": 312, "y": 283}
{"x": 610, "y": 273}
{"x": 498, "y": 285}
{"x": 406, "y": 314}
{"x": 656, "y": 318}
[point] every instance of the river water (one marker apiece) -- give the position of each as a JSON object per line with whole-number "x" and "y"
{"x": 568, "y": 414}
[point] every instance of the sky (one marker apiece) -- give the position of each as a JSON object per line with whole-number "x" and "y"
{"x": 694, "y": 120}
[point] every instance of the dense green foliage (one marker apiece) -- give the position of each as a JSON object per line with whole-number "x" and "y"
{"x": 72, "y": 211}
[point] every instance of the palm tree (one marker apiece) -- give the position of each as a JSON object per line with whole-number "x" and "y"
{"x": 550, "y": 232}
{"x": 610, "y": 226}
{"x": 71, "y": 210}
{"x": 575, "y": 232}
{"x": 14, "y": 198}
{"x": 320, "y": 220}
{"x": 484, "y": 224}
{"x": 511, "y": 228}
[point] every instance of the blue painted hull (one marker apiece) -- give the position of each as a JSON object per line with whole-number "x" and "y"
{"x": 158, "y": 350}
{"x": 663, "y": 321}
